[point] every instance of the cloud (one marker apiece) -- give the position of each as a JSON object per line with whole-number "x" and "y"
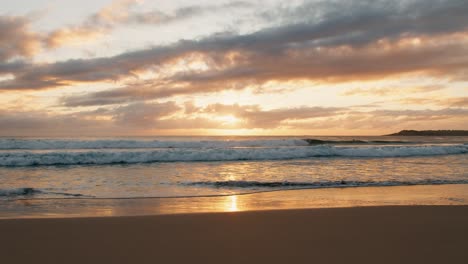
{"x": 254, "y": 117}
{"x": 157, "y": 17}
{"x": 133, "y": 118}
{"x": 389, "y": 91}
{"x": 95, "y": 25}
{"x": 146, "y": 118}
{"x": 146, "y": 90}
{"x": 457, "y": 102}
{"x": 256, "y": 67}
{"x": 143, "y": 114}
{"x": 390, "y": 120}
{"x": 72, "y": 34}
{"x": 436, "y": 114}
{"x": 17, "y": 123}
{"x": 18, "y": 41}
{"x": 121, "y": 13}
{"x": 362, "y": 40}
{"x": 460, "y": 102}
{"x": 334, "y": 64}
{"x": 16, "y": 38}
{"x": 8, "y": 67}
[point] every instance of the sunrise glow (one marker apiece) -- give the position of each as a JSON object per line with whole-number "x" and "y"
{"x": 127, "y": 67}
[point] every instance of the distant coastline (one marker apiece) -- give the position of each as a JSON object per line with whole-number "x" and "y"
{"x": 459, "y": 133}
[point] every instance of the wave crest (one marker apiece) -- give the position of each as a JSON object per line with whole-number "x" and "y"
{"x": 317, "y": 184}
{"x": 229, "y": 154}
{"x": 29, "y": 191}
{"x": 25, "y": 191}
{"x": 37, "y": 144}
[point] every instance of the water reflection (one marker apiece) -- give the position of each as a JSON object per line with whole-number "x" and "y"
{"x": 231, "y": 205}
{"x": 365, "y": 196}
{"x": 173, "y": 179}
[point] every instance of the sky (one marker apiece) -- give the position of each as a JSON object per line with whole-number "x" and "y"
{"x": 142, "y": 68}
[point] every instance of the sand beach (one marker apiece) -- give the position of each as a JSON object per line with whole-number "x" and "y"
{"x": 402, "y": 224}
{"x": 392, "y": 234}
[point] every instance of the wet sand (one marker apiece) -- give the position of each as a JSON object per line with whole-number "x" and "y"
{"x": 448, "y": 194}
{"x": 386, "y": 234}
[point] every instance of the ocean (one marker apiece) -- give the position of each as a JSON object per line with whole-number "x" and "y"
{"x": 136, "y": 167}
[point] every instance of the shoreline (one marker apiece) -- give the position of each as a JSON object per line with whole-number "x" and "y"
{"x": 373, "y": 234}
{"x": 84, "y": 197}
{"x": 425, "y": 195}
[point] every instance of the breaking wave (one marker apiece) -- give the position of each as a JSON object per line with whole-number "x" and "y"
{"x": 49, "y": 144}
{"x": 312, "y": 141}
{"x": 37, "y": 144}
{"x": 19, "y": 191}
{"x": 318, "y": 184}
{"x": 29, "y": 191}
{"x": 31, "y": 158}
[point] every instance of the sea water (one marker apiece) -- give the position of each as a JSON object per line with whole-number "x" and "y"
{"x": 95, "y": 168}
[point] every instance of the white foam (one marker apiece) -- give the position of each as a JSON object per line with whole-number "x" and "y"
{"x": 29, "y": 158}
{"x": 36, "y": 144}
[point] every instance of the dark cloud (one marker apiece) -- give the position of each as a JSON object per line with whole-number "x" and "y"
{"x": 322, "y": 65}
{"x": 8, "y": 67}
{"x": 16, "y": 39}
{"x": 143, "y": 114}
{"x": 146, "y": 90}
{"x": 157, "y": 17}
{"x": 362, "y": 21}
{"x": 17, "y": 123}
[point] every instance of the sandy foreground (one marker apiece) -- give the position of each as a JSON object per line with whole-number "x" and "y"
{"x": 387, "y": 234}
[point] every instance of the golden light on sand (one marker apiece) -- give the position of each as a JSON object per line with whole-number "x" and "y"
{"x": 232, "y": 204}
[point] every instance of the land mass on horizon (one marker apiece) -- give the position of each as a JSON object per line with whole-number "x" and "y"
{"x": 431, "y": 133}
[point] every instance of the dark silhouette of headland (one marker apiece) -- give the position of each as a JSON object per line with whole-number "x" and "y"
{"x": 457, "y": 133}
